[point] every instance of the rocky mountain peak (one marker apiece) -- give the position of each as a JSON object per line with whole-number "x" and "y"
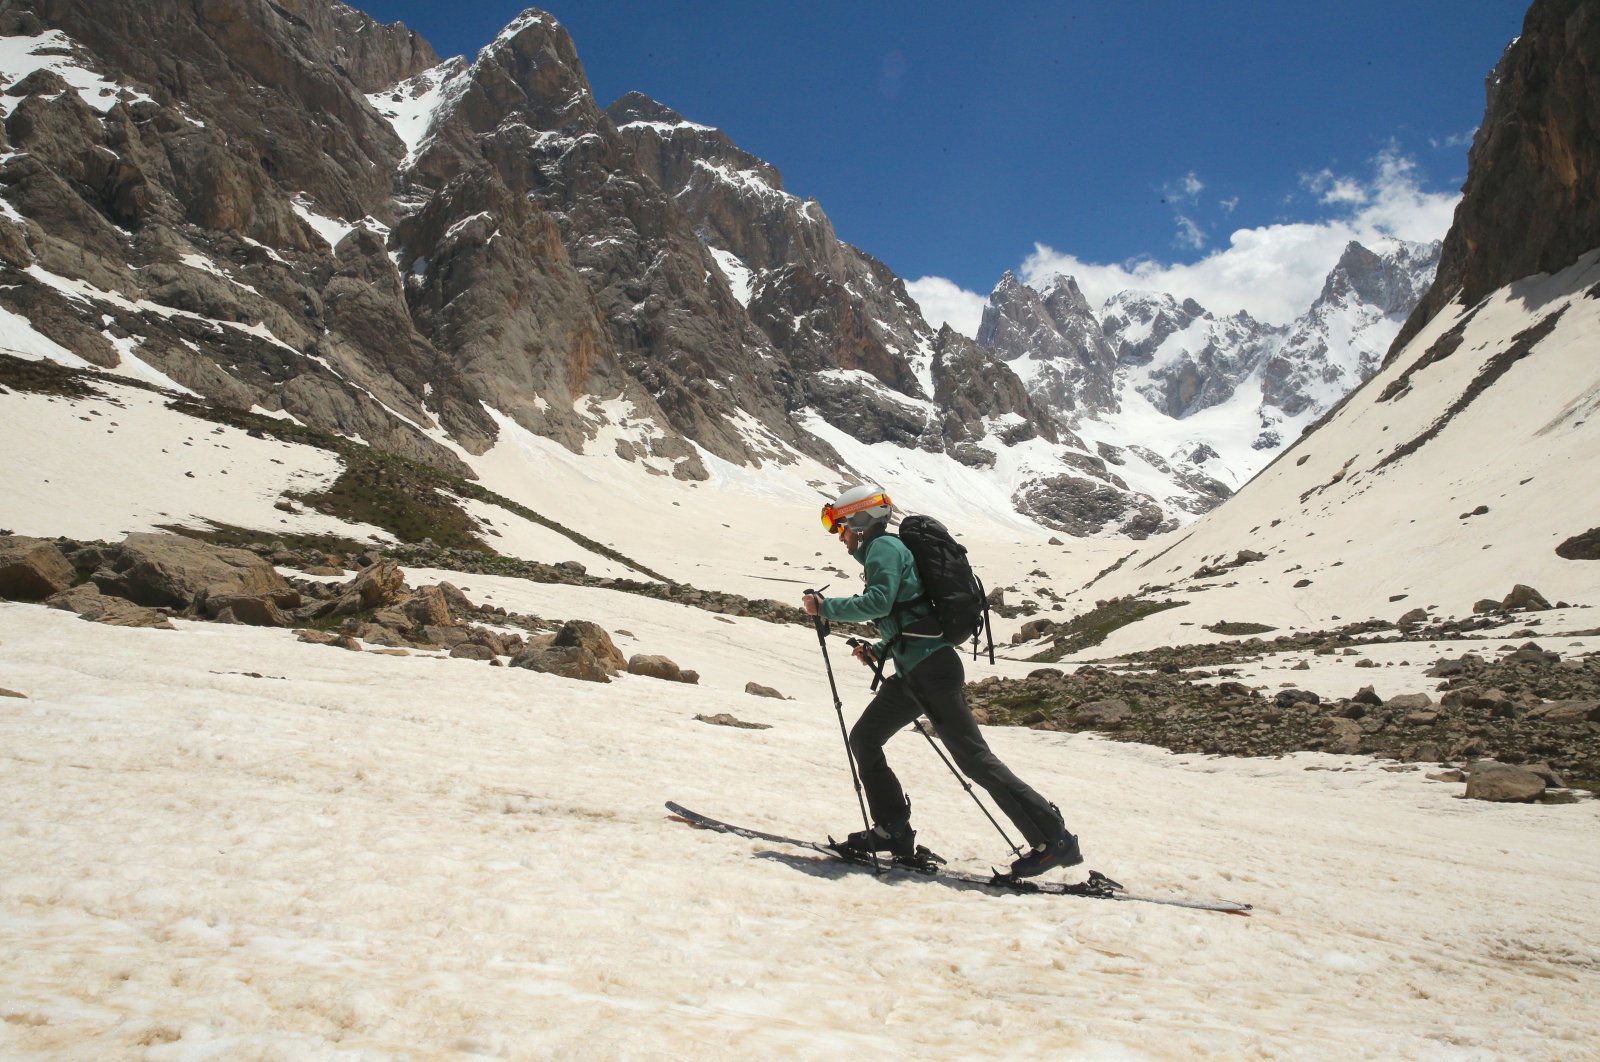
{"x": 1053, "y": 341}
{"x": 671, "y": 148}
{"x": 1391, "y": 281}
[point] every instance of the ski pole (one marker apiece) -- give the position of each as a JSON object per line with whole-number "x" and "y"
{"x": 959, "y": 777}
{"x": 838, "y": 708}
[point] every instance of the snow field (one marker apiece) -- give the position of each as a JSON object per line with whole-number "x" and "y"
{"x": 356, "y": 855}
{"x": 108, "y": 467}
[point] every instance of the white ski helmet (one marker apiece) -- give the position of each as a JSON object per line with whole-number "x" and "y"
{"x": 859, "y": 508}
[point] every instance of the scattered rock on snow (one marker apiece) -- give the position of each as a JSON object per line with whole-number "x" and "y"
{"x": 87, "y": 601}
{"x": 660, "y": 667}
{"x": 724, "y": 719}
{"x": 756, "y": 689}
{"x": 592, "y": 637}
{"x": 568, "y": 661}
{"x": 1110, "y": 713}
{"x": 1503, "y": 782}
{"x": 1525, "y": 598}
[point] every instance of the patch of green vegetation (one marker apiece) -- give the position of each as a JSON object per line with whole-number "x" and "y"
{"x": 1229, "y": 627}
{"x": 1093, "y": 627}
{"x": 45, "y": 378}
{"x": 1584, "y": 782}
{"x": 252, "y": 537}
{"x": 397, "y": 495}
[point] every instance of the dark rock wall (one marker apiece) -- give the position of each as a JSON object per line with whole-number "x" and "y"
{"x": 1531, "y": 203}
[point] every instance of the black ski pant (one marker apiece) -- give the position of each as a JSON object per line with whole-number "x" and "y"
{"x": 936, "y": 687}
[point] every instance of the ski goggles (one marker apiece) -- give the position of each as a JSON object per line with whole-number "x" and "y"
{"x": 834, "y": 516}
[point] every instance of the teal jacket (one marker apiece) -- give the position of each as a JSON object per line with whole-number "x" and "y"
{"x": 891, "y": 576}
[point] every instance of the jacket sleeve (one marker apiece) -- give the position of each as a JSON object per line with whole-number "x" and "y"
{"x": 883, "y": 577}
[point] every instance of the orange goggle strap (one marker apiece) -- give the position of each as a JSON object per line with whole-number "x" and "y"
{"x": 834, "y": 516}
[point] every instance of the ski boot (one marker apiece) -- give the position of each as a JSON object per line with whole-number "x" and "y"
{"x": 1060, "y": 850}
{"x": 899, "y": 841}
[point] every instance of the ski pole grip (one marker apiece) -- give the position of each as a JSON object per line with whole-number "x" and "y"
{"x": 821, "y": 624}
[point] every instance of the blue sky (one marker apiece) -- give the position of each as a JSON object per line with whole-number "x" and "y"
{"x": 1222, "y": 151}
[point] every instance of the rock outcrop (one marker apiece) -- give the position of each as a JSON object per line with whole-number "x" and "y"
{"x": 1531, "y": 202}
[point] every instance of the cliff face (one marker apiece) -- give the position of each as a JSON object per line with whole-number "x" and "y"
{"x": 290, "y": 207}
{"x": 1531, "y": 203}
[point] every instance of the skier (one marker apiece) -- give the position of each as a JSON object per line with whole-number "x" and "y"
{"x": 929, "y": 679}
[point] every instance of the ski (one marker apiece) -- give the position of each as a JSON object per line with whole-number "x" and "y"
{"x": 929, "y": 866}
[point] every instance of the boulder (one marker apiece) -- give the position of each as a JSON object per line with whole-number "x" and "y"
{"x": 1368, "y": 696}
{"x": 1109, "y": 713}
{"x": 374, "y": 633}
{"x": 1344, "y": 736}
{"x": 1531, "y": 653}
{"x": 1552, "y": 779}
{"x": 429, "y": 607}
{"x": 443, "y": 637}
{"x": 756, "y": 689}
{"x": 1567, "y": 711}
{"x": 378, "y": 585}
{"x": 472, "y": 651}
{"x": 1525, "y": 598}
{"x": 1036, "y": 629}
{"x": 496, "y": 643}
{"x": 568, "y": 661}
{"x": 1412, "y": 618}
{"x": 87, "y": 601}
{"x": 32, "y": 569}
{"x": 171, "y": 571}
{"x": 659, "y": 667}
{"x": 1289, "y": 698}
{"x": 1485, "y": 605}
{"x": 1496, "y": 702}
{"x": 316, "y": 637}
{"x": 1502, "y": 782}
{"x": 255, "y": 610}
{"x": 592, "y": 636}
{"x": 1409, "y": 702}
{"x": 456, "y": 601}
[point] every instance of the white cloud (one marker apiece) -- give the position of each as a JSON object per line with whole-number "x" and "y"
{"x": 1333, "y": 191}
{"x": 1186, "y": 188}
{"x": 1190, "y": 234}
{"x": 946, "y": 302}
{"x": 1274, "y": 272}
{"x": 1455, "y": 140}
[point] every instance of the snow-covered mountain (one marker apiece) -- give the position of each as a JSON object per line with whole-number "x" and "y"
{"x": 232, "y": 840}
{"x": 417, "y": 253}
{"x": 1188, "y": 404}
{"x": 480, "y": 243}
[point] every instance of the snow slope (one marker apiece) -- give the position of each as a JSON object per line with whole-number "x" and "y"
{"x": 218, "y": 842}
{"x": 1379, "y": 531}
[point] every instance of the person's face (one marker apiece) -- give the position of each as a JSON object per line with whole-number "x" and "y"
{"x": 849, "y": 537}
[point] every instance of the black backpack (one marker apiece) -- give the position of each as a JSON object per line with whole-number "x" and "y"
{"x": 948, "y": 581}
